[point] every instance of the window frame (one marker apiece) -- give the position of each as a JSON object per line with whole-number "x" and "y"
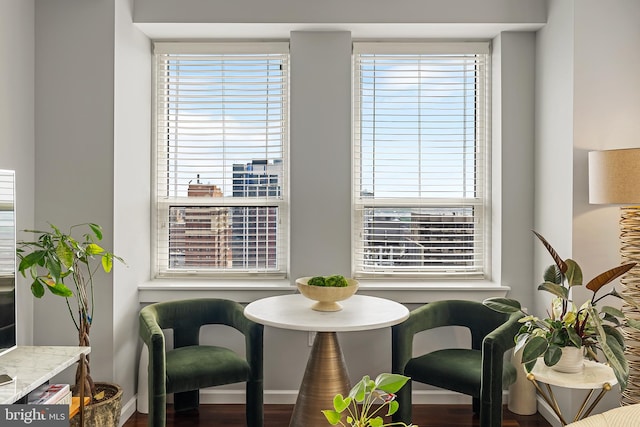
{"x": 482, "y": 206}
{"x": 160, "y": 207}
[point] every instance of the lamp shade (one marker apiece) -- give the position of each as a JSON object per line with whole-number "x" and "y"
{"x": 614, "y": 176}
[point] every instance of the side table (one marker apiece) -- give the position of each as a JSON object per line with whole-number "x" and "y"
{"x": 594, "y": 376}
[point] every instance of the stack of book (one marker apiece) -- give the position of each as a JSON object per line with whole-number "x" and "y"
{"x": 50, "y": 394}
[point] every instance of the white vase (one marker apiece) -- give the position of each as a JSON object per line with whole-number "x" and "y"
{"x": 571, "y": 361}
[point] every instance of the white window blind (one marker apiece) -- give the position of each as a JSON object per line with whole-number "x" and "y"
{"x": 7, "y": 229}
{"x": 221, "y": 132}
{"x": 420, "y": 159}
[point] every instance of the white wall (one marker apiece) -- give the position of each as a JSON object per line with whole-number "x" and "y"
{"x": 320, "y": 149}
{"x": 16, "y": 129}
{"x": 588, "y": 99}
{"x": 90, "y": 113}
{"x": 74, "y": 131}
{"x": 607, "y": 107}
{"x": 92, "y": 126}
{"x": 131, "y": 195}
{"x": 320, "y": 176}
{"x": 512, "y": 169}
{"x": 338, "y": 11}
{"x": 606, "y": 111}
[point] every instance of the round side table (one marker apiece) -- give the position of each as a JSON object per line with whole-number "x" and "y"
{"x": 326, "y": 373}
{"x": 594, "y": 376}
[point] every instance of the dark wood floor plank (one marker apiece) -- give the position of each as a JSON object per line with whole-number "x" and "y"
{"x": 278, "y": 416}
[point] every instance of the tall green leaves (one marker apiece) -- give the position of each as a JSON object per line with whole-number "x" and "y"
{"x": 56, "y": 255}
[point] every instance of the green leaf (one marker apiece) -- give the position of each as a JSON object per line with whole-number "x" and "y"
{"x": 54, "y": 268}
{"x": 615, "y": 333}
{"x": 359, "y": 391}
{"x": 574, "y": 273}
{"x": 617, "y": 353}
{"x": 552, "y": 274}
{"x": 575, "y": 339}
{"x": 29, "y": 260}
{"x": 93, "y": 249}
{"x": 555, "y": 289}
{"x": 97, "y": 230}
{"x": 332, "y": 416}
{"x": 340, "y": 403}
{"x": 107, "y": 262}
{"x": 502, "y": 305}
{"x": 376, "y": 422}
{"x": 610, "y": 318}
{"x": 634, "y": 323}
{"x": 534, "y": 349}
{"x": 529, "y": 365}
{"x": 626, "y": 299}
{"x": 552, "y": 355}
{"x": 610, "y": 349}
{"x": 60, "y": 289}
{"x": 612, "y": 311}
{"x": 390, "y": 383}
{"x": 393, "y": 407}
{"x": 37, "y": 289}
{"x": 65, "y": 254}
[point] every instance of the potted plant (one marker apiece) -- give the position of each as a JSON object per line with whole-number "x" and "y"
{"x": 66, "y": 266}
{"x": 366, "y": 402}
{"x": 589, "y": 327}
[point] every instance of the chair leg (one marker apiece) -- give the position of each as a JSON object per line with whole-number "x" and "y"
{"x": 157, "y": 410}
{"x": 475, "y": 405}
{"x": 254, "y": 404}
{"x": 186, "y": 400}
{"x": 491, "y": 414}
{"x": 403, "y": 397}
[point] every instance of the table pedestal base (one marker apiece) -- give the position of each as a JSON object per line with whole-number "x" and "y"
{"x": 325, "y": 376}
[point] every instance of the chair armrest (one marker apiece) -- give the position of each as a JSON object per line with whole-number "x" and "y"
{"x": 152, "y": 335}
{"x": 253, "y": 336}
{"x": 426, "y": 317}
{"x": 501, "y": 339}
{"x": 494, "y": 346}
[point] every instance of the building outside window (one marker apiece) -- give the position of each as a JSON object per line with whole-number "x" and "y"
{"x": 420, "y": 159}
{"x": 221, "y": 138}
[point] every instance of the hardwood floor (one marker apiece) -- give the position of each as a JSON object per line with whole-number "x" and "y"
{"x": 278, "y": 416}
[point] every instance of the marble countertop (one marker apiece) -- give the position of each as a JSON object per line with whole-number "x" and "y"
{"x": 31, "y": 366}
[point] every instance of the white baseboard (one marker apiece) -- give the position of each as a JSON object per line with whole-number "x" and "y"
{"x": 288, "y": 397}
{"x": 128, "y": 409}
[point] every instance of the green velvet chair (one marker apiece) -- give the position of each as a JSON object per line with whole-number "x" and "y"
{"x": 190, "y": 366}
{"x": 479, "y": 371}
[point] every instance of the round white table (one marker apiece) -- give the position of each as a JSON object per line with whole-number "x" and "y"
{"x": 326, "y": 373}
{"x": 594, "y": 376}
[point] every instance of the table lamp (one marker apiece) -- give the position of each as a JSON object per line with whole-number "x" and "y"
{"x": 614, "y": 178}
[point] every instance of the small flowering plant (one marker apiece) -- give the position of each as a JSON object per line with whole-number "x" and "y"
{"x": 366, "y": 401}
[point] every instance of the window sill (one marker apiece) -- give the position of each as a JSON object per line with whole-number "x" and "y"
{"x": 245, "y": 291}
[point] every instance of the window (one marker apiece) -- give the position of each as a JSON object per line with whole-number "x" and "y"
{"x": 420, "y": 159}
{"x": 221, "y": 137}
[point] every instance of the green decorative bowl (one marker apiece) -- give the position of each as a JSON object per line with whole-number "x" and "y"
{"x": 326, "y": 297}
